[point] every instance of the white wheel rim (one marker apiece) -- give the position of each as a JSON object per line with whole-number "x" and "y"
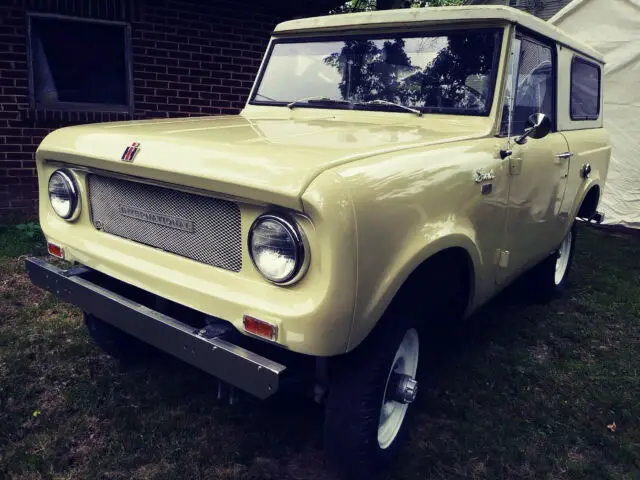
{"x": 562, "y": 262}
{"x": 392, "y": 413}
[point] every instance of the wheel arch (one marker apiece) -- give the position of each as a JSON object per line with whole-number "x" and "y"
{"x": 459, "y": 250}
{"x": 589, "y": 202}
{"x": 457, "y": 257}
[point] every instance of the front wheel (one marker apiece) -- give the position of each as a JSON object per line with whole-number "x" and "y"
{"x": 369, "y": 400}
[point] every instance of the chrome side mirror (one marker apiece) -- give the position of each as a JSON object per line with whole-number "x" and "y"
{"x": 538, "y": 126}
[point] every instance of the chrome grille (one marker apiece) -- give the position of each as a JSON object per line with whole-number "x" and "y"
{"x": 194, "y": 226}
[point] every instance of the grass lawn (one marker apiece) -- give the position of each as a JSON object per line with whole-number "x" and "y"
{"x": 527, "y": 392}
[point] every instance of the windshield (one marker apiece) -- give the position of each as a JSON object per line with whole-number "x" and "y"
{"x": 451, "y": 72}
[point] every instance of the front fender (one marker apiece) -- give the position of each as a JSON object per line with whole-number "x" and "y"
{"x": 410, "y": 206}
{"x": 440, "y": 238}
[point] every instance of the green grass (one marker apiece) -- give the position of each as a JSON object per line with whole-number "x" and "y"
{"x": 526, "y": 392}
{"x": 20, "y": 239}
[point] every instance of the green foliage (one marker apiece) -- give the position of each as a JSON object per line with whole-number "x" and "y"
{"x": 21, "y": 239}
{"x": 30, "y": 230}
{"x": 368, "y": 5}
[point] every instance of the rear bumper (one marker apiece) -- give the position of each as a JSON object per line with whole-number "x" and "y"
{"x": 231, "y": 363}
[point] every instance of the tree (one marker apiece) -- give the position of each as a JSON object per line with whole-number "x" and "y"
{"x": 365, "y": 72}
{"x": 443, "y": 83}
{"x": 382, "y": 70}
{"x": 389, "y": 4}
{"x": 366, "y": 75}
{"x": 368, "y": 5}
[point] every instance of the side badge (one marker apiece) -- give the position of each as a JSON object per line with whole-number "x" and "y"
{"x": 479, "y": 176}
{"x": 484, "y": 177}
{"x": 487, "y": 188}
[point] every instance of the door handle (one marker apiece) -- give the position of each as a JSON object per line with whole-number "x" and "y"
{"x": 565, "y": 155}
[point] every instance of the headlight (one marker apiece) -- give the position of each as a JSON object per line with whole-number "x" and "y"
{"x": 276, "y": 248}
{"x": 63, "y": 194}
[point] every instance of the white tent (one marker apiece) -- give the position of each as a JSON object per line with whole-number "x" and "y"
{"x": 613, "y": 28}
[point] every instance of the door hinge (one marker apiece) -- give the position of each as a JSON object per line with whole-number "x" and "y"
{"x": 502, "y": 258}
{"x": 515, "y": 165}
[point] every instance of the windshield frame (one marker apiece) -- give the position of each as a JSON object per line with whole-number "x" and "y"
{"x": 405, "y": 33}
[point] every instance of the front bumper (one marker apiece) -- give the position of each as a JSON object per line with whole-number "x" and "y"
{"x": 217, "y": 356}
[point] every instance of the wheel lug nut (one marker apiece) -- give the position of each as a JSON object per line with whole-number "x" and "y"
{"x": 406, "y": 388}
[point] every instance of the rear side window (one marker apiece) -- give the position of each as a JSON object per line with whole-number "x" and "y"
{"x": 585, "y": 90}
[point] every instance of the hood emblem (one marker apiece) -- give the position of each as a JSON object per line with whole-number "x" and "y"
{"x": 130, "y": 152}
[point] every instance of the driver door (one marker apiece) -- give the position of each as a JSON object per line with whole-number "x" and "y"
{"x": 539, "y": 167}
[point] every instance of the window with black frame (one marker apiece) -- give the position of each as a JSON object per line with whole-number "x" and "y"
{"x": 585, "y": 90}
{"x": 534, "y": 85}
{"x": 79, "y": 64}
{"x": 446, "y": 72}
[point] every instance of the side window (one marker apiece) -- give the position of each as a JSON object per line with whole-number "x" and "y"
{"x": 585, "y": 90}
{"x": 534, "y": 85}
{"x": 534, "y": 91}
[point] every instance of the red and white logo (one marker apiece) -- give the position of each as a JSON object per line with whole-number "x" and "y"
{"x": 130, "y": 152}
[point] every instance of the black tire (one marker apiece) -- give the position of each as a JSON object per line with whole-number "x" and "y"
{"x": 542, "y": 278}
{"x": 356, "y": 393}
{"x": 115, "y": 342}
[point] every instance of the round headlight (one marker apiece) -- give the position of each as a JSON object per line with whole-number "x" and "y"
{"x": 63, "y": 194}
{"x": 276, "y": 248}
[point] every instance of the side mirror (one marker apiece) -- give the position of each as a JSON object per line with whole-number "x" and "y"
{"x": 538, "y": 126}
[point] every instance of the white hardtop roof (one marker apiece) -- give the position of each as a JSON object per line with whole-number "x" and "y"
{"x": 477, "y": 14}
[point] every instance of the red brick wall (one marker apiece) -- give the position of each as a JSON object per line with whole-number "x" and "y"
{"x": 189, "y": 58}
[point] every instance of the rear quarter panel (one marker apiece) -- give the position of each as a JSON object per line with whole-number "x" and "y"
{"x": 592, "y": 147}
{"x": 587, "y": 138}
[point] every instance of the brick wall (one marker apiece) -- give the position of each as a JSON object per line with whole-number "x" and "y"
{"x": 189, "y": 58}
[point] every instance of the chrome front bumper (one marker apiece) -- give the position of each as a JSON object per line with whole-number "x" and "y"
{"x": 217, "y": 356}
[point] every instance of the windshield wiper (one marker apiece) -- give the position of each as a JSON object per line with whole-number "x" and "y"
{"x": 318, "y": 100}
{"x": 332, "y": 101}
{"x": 392, "y": 104}
{"x": 269, "y": 99}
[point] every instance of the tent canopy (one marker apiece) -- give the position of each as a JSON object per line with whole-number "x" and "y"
{"x": 613, "y": 28}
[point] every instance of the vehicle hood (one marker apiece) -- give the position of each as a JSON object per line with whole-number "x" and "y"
{"x": 266, "y": 159}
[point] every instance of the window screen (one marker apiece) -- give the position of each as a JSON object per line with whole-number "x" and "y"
{"x": 534, "y": 92}
{"x": 534, "y": 85}
{"x": 585, "y": 90}
{"x": 79, "y": 64}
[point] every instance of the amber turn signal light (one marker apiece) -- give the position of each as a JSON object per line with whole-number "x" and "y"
{"x": 260, "y": 328}
{"x": 55, "y": 250}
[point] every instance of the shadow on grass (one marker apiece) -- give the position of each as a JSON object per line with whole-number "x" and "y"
{"x": 525, "y": 391}
{"x": 282, "y": 438}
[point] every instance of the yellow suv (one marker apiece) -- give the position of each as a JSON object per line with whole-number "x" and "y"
{"x": 390, "y": 171}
